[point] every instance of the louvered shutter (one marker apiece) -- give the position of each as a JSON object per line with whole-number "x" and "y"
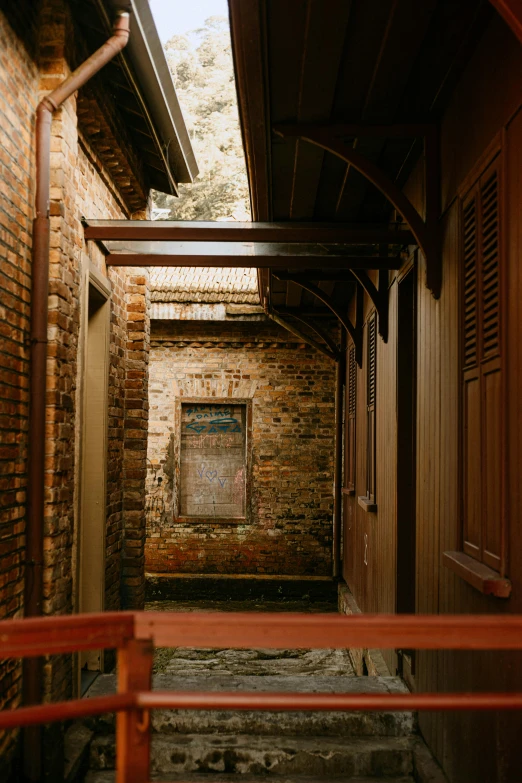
{"x": 371, "y": 393}
{"x": 351, "y": 383}
{"x": 490, "y": 366}
{"x": 482, "y": 370}
{"x": 471, "y": 381}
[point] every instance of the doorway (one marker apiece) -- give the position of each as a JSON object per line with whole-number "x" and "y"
{"x": 406, "y": 450}
{"x": 91, "y": 576}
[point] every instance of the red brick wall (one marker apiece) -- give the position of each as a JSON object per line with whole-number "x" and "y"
{"x": 136, "y": 428}
{"x": 18, "y": 99}
{"x": 292, "y": 392}
{"x": 80, "y": 185}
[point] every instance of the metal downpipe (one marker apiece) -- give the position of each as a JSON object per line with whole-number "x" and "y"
{"x": 33, "y": 582}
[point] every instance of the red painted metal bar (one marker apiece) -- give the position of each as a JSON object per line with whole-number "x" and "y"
{"x": 68, "y": 633}
{"x": 280, "y": 631}
{"x": 276, "y": 702}
{"x": 329, "y": 702}
{"x": 66, "y": 710}
{"x": 52, "y": 635}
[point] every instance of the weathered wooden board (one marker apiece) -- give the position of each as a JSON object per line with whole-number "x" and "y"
{"x": 213, "y": 460}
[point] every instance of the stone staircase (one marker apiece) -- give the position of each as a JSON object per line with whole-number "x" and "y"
{"x": 224, "y": 746}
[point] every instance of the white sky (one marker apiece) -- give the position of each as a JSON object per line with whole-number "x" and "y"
{"x": 176, "y": 17}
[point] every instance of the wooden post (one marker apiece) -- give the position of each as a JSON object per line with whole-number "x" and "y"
{"x": 133, "y": 726}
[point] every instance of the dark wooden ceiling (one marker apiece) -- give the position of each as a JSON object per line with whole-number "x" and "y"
{"x": 336, "y": 61}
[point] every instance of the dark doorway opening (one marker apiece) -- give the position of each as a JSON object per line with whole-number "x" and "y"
{"x": 406, "y": 448}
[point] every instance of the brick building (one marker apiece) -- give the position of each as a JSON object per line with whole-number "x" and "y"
{"x": 212, "y": 346}
{"x": 107, "y": 150}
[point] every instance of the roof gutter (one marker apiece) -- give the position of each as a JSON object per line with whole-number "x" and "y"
{"x": 33, "y": 585}
{"x": 147, "y": 56}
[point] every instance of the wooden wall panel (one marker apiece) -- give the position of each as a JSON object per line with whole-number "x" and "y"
{"x": 472, "y": 747}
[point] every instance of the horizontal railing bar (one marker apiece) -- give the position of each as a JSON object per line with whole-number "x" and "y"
{"x": 276, "y": 702}
{"x": 66, "y": 710}
{"x": 52, "y": 635}
{"x": 66, "y": 633}
{"x": 328, "y": 702}
{"x": 320, "y": 631}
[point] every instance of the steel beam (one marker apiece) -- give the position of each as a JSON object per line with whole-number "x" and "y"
{"x": 201, "y": 231}
{"x": 257, "y": 262}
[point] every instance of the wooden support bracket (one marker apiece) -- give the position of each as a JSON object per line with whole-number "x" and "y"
{"x": 323, "y": 334}
{"x": 327, "y": 300}
{"x": 379, "y": 297}
{"x": 338, "y": 139}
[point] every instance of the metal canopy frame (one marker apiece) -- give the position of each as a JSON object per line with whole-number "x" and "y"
{"x": 299, "y": 253}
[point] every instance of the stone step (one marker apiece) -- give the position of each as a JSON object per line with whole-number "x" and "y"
{"x": 275, "y": 756}
{"x": 304, "y": 724}
{"x": 110, "y": 777}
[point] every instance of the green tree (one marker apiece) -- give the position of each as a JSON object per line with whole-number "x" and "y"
{"x": 202, "y": 70}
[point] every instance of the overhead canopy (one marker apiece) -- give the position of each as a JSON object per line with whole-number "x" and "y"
{"x": 138, "y": 87}
{"x": 267, "y": 245}
{"x": 338, "y": 100}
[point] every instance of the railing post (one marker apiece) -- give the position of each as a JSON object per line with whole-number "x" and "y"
{"x": 133, "y": 726}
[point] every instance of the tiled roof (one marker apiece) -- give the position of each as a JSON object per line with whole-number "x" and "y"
{"x": 202, "y": 284}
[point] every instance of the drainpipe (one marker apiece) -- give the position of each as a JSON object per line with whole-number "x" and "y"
{"x": 338, "y": 458}
{"x": 33, "y": 588}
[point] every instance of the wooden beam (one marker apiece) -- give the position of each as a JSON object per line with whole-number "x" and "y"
{"x": 302, "y": 336}
{"x": 327, "y": 300}
{"x": 356, "y": 130}
{"x": 338, "y": 276}
{"x": 202, "y": 231}
{"x": 511, "y": 13}
{"x": 318, "y": 330}
{"x": 379, "y": 297}
{"x": 326, "y": 138}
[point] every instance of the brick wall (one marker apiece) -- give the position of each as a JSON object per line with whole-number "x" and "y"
{"x": 136, "y": 429}
{"x": 291, "y": 387}
{"x": 80, "y": 185}
{"x": 18, "y": 99}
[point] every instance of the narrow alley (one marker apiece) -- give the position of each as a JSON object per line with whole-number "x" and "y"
{"x": 260, "y": 382}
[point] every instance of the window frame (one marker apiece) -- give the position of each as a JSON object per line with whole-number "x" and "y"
{"x": 350, "y": 421}
{"x": 482, "y": 569}
{"x": 183, "y": 518}
{"x": 368, "y": 501}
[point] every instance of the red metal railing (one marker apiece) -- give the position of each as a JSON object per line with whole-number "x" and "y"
{"x": 136, "y": 634}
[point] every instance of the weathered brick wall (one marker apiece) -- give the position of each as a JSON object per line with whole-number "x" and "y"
{"x": 292, "y": 392}
{"x": 18, "y": 100}
{"x": 136, "y": 430}
{"x": 80, "y": 185}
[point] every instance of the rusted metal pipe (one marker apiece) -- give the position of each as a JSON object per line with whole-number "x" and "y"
{"x": 338, "y": 458}
{"x": 33, "y": 587}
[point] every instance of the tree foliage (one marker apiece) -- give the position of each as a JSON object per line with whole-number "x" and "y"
{"x": 203, "y": 74}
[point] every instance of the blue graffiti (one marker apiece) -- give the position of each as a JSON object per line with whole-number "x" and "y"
{"x": 227, "y": 424}
{"x": 210, "y": 475}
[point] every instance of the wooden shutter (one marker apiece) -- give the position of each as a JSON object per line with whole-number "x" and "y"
{"x": 371, "y": 393}
{"x": 482, "y": 370}
{"x": 351, "y": 384}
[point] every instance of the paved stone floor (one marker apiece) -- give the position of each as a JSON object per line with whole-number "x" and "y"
{"x": 186, "y": 662}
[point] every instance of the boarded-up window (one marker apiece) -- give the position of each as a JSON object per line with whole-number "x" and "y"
{"x": 213, "y": 460}
{"x": 349, "y": 421}
{"x": 371, "y": 393}
{"x": 482, "y": 447}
